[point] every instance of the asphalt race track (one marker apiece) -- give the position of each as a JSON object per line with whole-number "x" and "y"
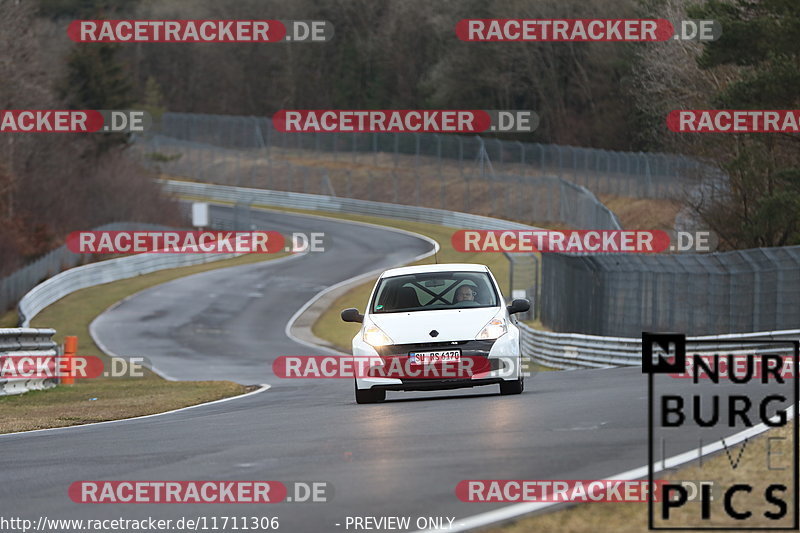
{"x": 400, "y": 458}
{"x": 229, "y": 323}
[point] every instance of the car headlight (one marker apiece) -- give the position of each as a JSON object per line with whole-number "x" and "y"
{"x": 374, "y": 336}
{"x": 494, "y": 329}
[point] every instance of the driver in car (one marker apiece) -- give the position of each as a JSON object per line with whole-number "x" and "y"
{"x": 465, "y": 293}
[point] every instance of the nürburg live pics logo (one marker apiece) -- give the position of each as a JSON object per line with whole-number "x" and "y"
{"x": 722, "y": 435}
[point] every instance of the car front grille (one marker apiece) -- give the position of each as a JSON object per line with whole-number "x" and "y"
{"x": 468, "y": 348}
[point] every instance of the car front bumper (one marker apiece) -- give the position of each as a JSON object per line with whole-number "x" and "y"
{"x": 502, "y": 357}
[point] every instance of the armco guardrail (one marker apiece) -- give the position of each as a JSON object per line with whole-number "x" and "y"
{"x": 332, "y": 204}
{"x": 19, "y": 342}
{"x": 15, "y": 285}
{"x": 570, "y": 350}
{"x": 72, "y": 280}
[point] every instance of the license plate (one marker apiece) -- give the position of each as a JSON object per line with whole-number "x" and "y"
{"x": 444, "y": 356}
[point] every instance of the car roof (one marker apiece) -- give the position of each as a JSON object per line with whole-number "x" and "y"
{"x": 442, "y": 267}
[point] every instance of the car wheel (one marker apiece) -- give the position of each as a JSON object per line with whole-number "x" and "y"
{"x": 370, "y": 395}
{"x": 512, "y": 387}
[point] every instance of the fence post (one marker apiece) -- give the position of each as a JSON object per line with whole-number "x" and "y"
{"x": 442, "y": 191}
{"x": 438, "y": 151}
{"x": 481, "y": 155}
{"x": 536, "y": 311}
{"x": 507, "y": 210}
{"x": 251, "y": 181}
{"x": 238, "y": 179}
{"x": 460, "y": 156}
{"x": 268, "y": 140}
{"x": 416, "y": 170}
{"x": 335, "y": 147}
{"x": 575, "y": 165}
{"x": 560, "y": 162}
{"x": 650, "y": 189}
{"x": 541, "y": 159}
{"x": 466, "y": 194}
{"x": 510, "y": 273}
{"x": 416, "y": 150}
{"x": 779, "y": 294}
{"x": 305, "y": 177}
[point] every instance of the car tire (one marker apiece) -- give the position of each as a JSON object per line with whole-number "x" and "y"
{"x": 370, "y": 395}
{"x": 512, "y": 387}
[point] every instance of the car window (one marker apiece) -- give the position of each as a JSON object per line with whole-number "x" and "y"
{"x": 434, "y": 290}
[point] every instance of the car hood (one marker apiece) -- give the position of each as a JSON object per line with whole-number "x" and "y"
{"x": 452, "y": 324}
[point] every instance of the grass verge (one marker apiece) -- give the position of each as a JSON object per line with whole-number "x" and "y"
{"x": 101, "y": 399}
{"x": 9, "y": 319}
{"x": 643, "y": 213}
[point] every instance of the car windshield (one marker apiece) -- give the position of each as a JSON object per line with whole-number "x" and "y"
{"x": 428, "y": 291}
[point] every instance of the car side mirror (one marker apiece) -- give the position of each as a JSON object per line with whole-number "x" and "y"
{"x": 519, "y": 305}
{"x": 351, "y": 314}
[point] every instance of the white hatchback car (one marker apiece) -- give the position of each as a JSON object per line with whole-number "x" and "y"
{"x": 437, "y": 314}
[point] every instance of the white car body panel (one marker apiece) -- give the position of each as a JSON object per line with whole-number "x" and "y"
{"x": 462, "y": 324}
{"x": 452, "y": 324}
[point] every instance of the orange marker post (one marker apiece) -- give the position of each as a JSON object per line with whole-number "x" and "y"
{"x": 70, "y": 348}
